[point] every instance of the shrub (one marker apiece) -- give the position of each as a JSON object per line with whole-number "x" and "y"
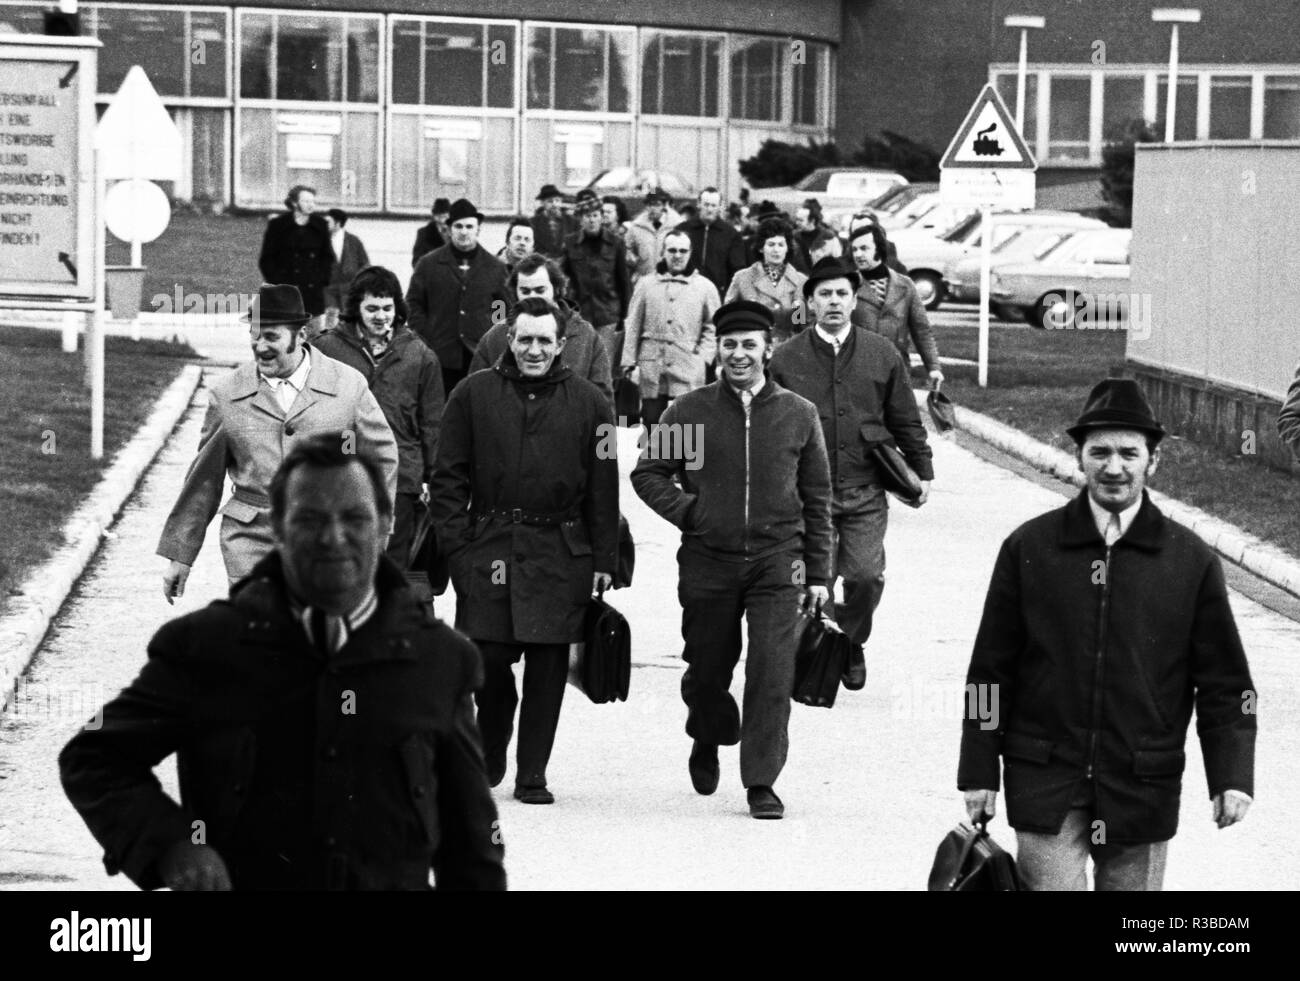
{"x": 1117, "y": 169}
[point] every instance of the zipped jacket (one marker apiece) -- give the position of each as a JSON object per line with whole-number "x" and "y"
{"x": 742, "y": 486}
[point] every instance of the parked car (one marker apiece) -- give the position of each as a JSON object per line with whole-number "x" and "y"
{"x": 927, "y": 256}
{"x": 836, "y": 189}
{"x": 1082, "y": 282}
{"x": 631, "y": 186}
{"x": 925, "y": 211}
{"x": 888, "y": 203}
{"x": 961, "y": 280}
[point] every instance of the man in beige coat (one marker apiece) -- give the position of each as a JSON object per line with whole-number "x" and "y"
{"x": 668, "y": 340}
{"x": 256, "y": 415}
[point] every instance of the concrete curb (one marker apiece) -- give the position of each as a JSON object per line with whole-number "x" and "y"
{"x": 38, "y": 600}
{"x": 1270, "y": 563}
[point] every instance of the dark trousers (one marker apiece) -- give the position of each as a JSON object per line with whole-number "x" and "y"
{"x": 451, "y": 376}
{"x": 405, "y": 508}
{"x": 859, "y": 516}
{"x": 715, "y": 595}
{"x": 652, "y": 409}
{"x": 546, "y": 668}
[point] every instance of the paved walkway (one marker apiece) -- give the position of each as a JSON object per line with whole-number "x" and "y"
{"x": 869, "y": 784}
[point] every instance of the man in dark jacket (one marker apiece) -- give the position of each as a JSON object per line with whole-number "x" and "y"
{"x": 433, "y": 234}
{"x": 718, "y": 248}
{"x": 860, "y": 386}
{"x": 296, "y": 249}
{"x": 595, "y": 261}
{"x": 525, "y": 502}
{"x": 551, "y": 226}
{"x": 456, "y": 293}
{"x": 321, "y": 718}
{"x": 585, "y": 355}
{"x": 740, "y": 467}
{"x": 1105, "y": 623}
{"x": 405, "y": 379}
{"x": 350, "y": 253}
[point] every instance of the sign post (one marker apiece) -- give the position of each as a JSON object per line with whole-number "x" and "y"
{"x": 987, "y": 165}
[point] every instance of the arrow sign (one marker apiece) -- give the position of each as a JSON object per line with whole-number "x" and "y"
{"x": 988, "y": 139}
{"x": 67, "y": 261}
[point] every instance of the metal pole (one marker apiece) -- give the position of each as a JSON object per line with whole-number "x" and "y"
{"x": 95, "y": 337}
{"x": 1171, "y": 96}
{"x": 986, "y": 257}
{"x": 1020, "y": 80}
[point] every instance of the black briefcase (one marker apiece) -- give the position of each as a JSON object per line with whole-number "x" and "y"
{"x": 820, "y": 661}
{"x": 627, "y": 401}
{"x": 969, "y": 860}
{"x": 896, "y": 476}
{"x": 601, "y": 666}
{"x": 626, "y": 555}
{"x": 425, "y": 556}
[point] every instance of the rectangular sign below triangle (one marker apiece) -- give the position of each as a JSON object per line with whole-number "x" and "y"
{"x": 988, "y": 139}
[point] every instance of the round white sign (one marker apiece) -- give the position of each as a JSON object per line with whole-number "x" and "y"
{"x": 136, "y": 211}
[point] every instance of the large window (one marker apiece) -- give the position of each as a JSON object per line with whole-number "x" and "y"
{"x": 450, "y": 63}
{"x": 1068, "y": 117}
{"x": 1184, "y": 108}
{"x": 810, "y": 65}
{"x": 1282, "y": 107}
{"x": 1229, "y": 107}
{"x": 680, "y": 74}
{"x": 580, "y": 69}
{"x": 184, "y": 52}
{"x": 309, "y": 58}
{"x": 1122, "y": 101}
{"x": 756, "y": 74}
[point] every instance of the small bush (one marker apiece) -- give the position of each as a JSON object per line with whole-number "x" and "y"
{"x": 1117, "y": 169}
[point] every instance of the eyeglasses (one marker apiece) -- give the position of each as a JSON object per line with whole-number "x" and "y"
{"x": 678, "y": 251}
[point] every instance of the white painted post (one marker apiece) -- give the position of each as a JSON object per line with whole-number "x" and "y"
{"x": 95, "y": 334}
{"x": 986, "y": 262}
{"x": 1171, "y": 96}
{"x": 1020, "y": 80}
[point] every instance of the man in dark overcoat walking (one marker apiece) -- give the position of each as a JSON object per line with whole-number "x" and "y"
{"x": 525, "y": 503}
{"x": 1105, "y": 624}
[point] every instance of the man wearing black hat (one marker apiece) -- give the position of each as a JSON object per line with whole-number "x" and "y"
{"x": 434, "y": 234}
{"x": 256, "y": 415}
{"x": 859, "y": 383}
{"x": 595, "y": 261}
{"x": 740, "y": 467}
{"x": 551, "y": 226}
{"x": 1105, "y": 624}
{"x": 456, "y": 293}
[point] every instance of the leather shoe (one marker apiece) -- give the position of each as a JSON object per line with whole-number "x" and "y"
{"x": 534, "y": 795}
{"x": 704, "y": 767}
{"x": 855, "y": 675}
{"x": 764, "y": 804}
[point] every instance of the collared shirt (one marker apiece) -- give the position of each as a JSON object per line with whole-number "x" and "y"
{"x": 286, "y": 390}
{"x": 747, "y": 394}
{"x": 338, "y": 628}
{"x": 336, "y": 240}
{"x": 836, "y": 341}
{"x": 1102, "y": 517}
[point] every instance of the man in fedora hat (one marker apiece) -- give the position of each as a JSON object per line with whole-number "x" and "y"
{"x": 433, "y": 234}
{"x": 256, "y": 415}
{"x": 456, "y": 293}
{"x": 860, "y": 385}
{"x": 752, "y": 499}
{"x": 1105, "y": 624}
{"x": 551, "y": 226}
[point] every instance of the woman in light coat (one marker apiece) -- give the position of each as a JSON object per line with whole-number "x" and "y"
{"x": 773, "y": 281}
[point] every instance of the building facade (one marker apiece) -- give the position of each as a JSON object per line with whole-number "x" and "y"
{"x": 383, "y": 107}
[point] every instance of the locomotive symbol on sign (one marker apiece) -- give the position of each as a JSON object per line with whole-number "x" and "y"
{"x": 985, "y": 147}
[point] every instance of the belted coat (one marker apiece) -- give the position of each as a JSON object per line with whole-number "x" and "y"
{"x": 525, "y": 501}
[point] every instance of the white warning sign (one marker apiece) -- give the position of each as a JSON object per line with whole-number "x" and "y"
{"x": 988, "y": 139}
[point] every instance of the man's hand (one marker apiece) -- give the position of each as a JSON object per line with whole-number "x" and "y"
{"x": 600, "y": 581}
{"x": 981, "y": 804}
{"x": 174, "y": 580}
{"x": 936, "y": 379}
{"x": 1229, "y": 809}
{"x": 424, "y": 494}
{"x": 187, "y": 867}
{"x": 814, "y": 598}
{"x": 925, "y": 493}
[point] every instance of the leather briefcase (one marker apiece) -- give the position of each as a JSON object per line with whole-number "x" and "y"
{"x": 601, "y": 666}
{"x": 627, "y": 401}
{"x": 896, "y": 476}
{"x": 820, "y": 661}
{"x": 626, "y": 564}
{"x": 942, "y": 412}
{"x": 969, "y": 860}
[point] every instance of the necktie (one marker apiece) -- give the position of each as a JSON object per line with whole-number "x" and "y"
{"x": 1112, "y": 530}
{"x": 326, "y": 631}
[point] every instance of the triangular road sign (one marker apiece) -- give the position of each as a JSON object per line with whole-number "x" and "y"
{"x": 988, "y": 139}
{"x": 137, "y": 135}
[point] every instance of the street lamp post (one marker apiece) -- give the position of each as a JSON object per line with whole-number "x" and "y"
{"x": 1173, "y": 16}
{"x": 1025, "y": 24}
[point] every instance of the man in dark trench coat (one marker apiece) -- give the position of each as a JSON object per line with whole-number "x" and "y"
{"x": 525, "y": 503}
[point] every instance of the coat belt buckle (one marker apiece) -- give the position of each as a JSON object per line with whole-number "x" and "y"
{"x": 516, "y": 515}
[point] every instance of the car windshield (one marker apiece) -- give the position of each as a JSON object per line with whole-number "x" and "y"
{"x": 818, "y": 180}
{"x": 963, "y": 223}
{"x": 1085, "y": 246}
{"x": 618, "y": 177}
{"x": 1048, "y": 241}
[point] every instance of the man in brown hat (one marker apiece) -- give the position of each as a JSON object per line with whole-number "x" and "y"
{"x": 860, "y": 385}
{"x": 256, "y": 415}
{"x": 456, "y": 293}
{"x": 740, "y": 467}
{"x": 1105, "y": 624}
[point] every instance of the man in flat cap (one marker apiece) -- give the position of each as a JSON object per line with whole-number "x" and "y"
{"x": 256, "y": 414}
{"x": 456, "y": 293}
{"x": 433, "y": 234}
{"x": 860, "y": 385}
{"x": 1105, "y": 623}
{"x": 740, "y": 467}
{"x": 595, "y": 261}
